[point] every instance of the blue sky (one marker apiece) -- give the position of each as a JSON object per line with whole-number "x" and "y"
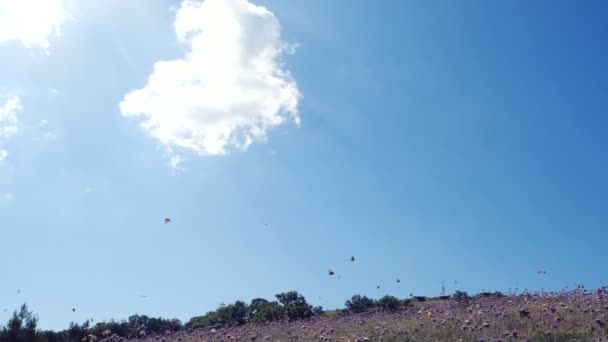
{"x": 436, "y": 141}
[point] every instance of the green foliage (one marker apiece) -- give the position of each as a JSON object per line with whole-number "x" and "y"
{"x": 204, "y": 321}
{"x": 233, "y": 314}
{"x": 460, "y": 296}
{"x": 388, "y": 303}
{"x": 290, "y": 305}
{"x": 256, "y": 305}
{"x": 225, "y": 316}
{"x": 21, "y": 327}
{"x": 294, "y": 305}
{"x": 359, "y": 303}
{"x": 119, "y": 328}
{"x": 76, "y": 332}
{"x": 265, "y": 311}
{"x": 150, "y": 325}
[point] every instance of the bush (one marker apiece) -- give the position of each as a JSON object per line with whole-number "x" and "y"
{"x": 233, "y": 314}
{"x": 388, "y": 303}
{"x": 121, "y": 329}
{"x": 460, "y": 296}
{"x": 294, "y": 305}
{"x": 266, "y": 312}
{"x": 359, "y": 303}
{"x": 204, "y": 321}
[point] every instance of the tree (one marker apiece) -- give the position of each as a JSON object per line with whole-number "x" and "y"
{"x": 21, "y": 327}
{"x": 388, "y": 303}
{"x": 294, "y": 305}
{"x": 359, "y": 304}
{"x": 233, "y": 314}
{"x": 76, "y": 332}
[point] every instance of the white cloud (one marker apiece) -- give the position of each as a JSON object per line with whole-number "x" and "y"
{"x": 8, "y": 116}
{"x": 31, "y": 22}
{"x": 229, "y": 89}
{"x": 175, "y": 161}
{"x": 3, "y": 155}
{"x": 8, "y": 122}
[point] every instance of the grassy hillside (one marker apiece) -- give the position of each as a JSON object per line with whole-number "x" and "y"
{"x": 578, "y": 315}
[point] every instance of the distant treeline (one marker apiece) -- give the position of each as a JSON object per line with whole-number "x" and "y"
{"x": 288, "y": 306}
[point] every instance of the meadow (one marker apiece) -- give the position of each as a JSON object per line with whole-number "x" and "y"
{"x": 578, "y": 315}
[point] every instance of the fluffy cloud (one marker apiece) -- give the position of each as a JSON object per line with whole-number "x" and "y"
{"x": 3, "y": 155}
{"x": 31, "y": 21}
{"x": 8, "y": 121}
{"x": 228, "y": 90}
{"x": 8, "y": 116}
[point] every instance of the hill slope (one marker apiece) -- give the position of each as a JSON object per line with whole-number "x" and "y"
{"x": 578, "y": 315}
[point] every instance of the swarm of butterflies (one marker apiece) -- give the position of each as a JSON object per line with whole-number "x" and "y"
{"x": 352, "y": 259}
{"x": 331, "y": 271}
